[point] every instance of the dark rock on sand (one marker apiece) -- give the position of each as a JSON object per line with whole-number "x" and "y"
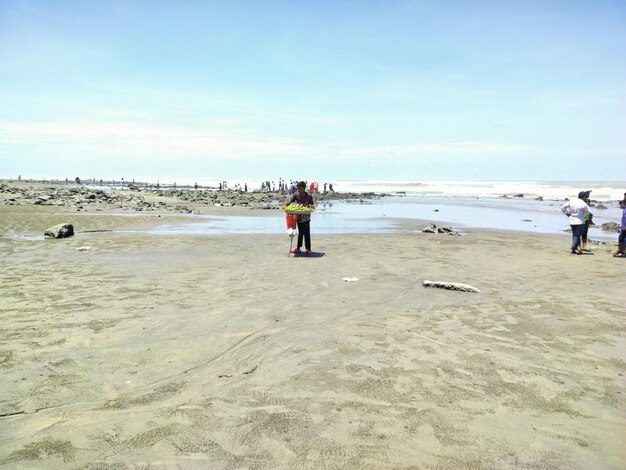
{"x": 435, "y": 229}
{"x": 59, "y": 231}
{"x": 600, "y": 206}
{"x": 610, "y": 227}
{"x": 451, "y": 286}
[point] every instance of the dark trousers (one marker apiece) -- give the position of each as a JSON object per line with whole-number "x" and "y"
{"x": 622, "y": 237}
{"x": 585, "y": 231}
{"x": 304, "y": 231}
{"x": 577, "y": 232}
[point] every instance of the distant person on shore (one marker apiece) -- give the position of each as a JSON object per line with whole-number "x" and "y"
{"x": 330, "y": 187}
{"x": 621, "y": 240}
{"x": 575, "y": 211}
{"x": 304, "y": 221}
{"x": 325, "y": 184}
{"x": 293, "y": 188}
{"x": 588, "y": 222}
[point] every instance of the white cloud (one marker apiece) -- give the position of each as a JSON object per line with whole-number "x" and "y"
{"x": 445, "y": 149}
{"x": 141, "y": 141}
{"x": 82, "y": 140}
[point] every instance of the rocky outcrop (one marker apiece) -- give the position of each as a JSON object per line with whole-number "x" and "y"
{"x": 59, "y": 231}
{"x": 138, "y": 198}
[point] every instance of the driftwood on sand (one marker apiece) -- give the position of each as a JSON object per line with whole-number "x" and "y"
{"x": 450, "y": 286}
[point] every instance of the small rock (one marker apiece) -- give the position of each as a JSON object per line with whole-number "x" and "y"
{"x": 435, "y": 229}
{"x": 610, "y": 227}
{"x": 59, "y": 231}
{"x": 451, "y": 286}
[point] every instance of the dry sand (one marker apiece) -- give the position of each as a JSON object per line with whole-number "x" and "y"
{"x": 223, "y": 352}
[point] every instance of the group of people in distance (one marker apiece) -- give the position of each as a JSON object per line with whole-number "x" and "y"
{"x": 580, "y": 218}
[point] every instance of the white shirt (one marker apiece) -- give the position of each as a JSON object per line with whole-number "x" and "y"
{"x": 575, "y": 210}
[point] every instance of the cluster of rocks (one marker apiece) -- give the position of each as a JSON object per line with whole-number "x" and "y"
{"x": 506, "y": 196}
{"x": 78, "y": 198}
{"x": 435, "y": 229}
{"x": 135, "y": 198}
{"x": 256, "y": 199}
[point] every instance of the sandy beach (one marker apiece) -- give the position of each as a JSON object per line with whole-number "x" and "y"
{"x": 125, "y": 349}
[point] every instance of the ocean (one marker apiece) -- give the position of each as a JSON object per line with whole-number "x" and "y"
{"x": 519, "y": 206}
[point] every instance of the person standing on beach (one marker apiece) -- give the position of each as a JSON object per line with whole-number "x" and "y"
{"x": 621, "y": 240}
{"x": 304, "y": 221}
{"x": 588, "y": 222}
{"x": 575, "y": 211}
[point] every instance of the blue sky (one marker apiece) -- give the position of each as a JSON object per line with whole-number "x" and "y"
{"x": 328, "y": 90}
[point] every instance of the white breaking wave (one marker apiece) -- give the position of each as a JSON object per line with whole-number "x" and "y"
{"x": 600, "y": 191}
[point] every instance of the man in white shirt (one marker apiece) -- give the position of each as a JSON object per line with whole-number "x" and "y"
{"x": 575, "y": 211}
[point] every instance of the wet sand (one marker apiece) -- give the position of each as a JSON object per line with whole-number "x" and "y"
{"x": 148, "y": 351}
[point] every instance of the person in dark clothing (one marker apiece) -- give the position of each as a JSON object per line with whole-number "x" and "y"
{"x": 620, "y": 253}
{"x": 588, "y": 222}
{"x": 304, "y": 221}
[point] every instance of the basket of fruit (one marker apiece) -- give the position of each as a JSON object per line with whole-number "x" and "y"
{"x": 297, "y": 209}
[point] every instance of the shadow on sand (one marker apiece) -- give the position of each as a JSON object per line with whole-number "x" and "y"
{"x": 315, "y": 254}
